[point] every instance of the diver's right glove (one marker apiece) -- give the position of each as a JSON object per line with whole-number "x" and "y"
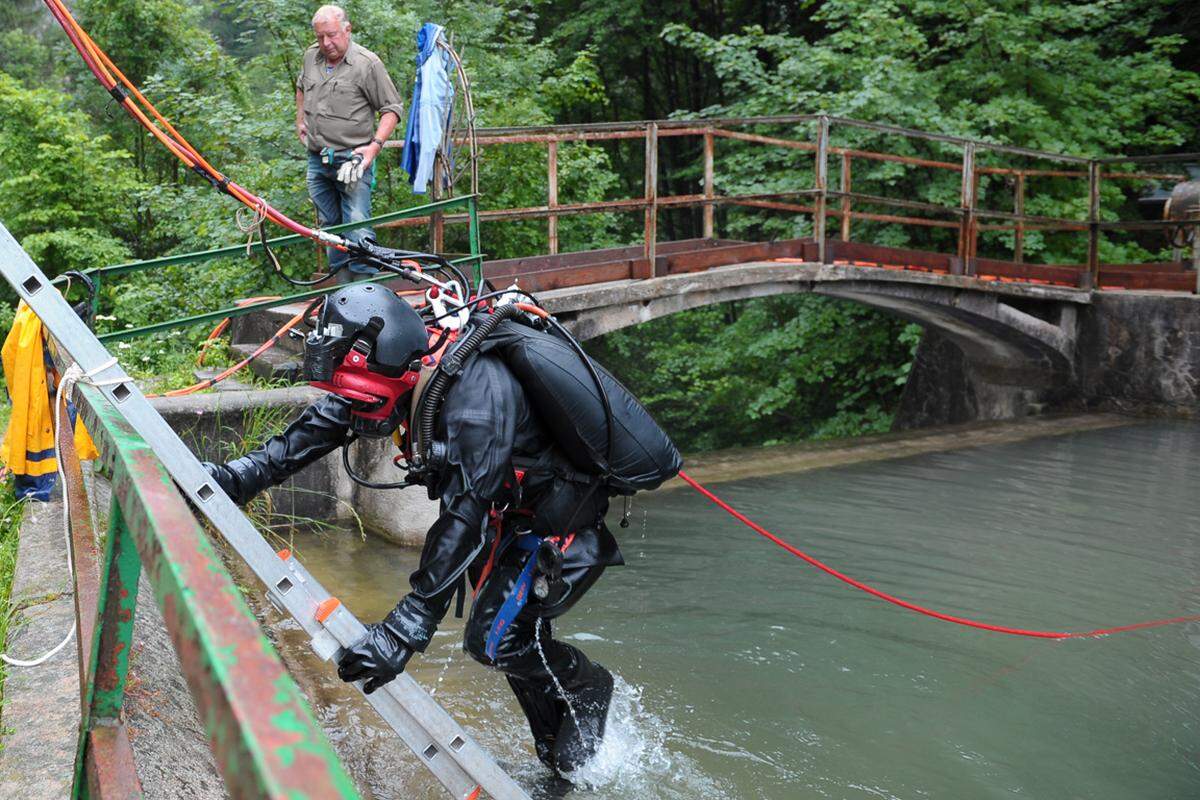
{"x": 379, "y": 656}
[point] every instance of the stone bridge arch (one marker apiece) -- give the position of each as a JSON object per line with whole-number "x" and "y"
{"x": 1018, "y": 335}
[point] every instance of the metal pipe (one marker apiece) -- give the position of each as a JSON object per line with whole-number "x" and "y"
{"x": 1093, "y": 254}
{"x": 966, "y": 229}
{"x": 651, "y": 218}
{"x": 1019, "y": 210}
{"x": 845, "y": 187}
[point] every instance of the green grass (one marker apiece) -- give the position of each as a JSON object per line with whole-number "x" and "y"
{"x": 10, "y": 527}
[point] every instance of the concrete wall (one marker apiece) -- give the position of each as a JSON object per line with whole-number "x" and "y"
{"x": 1136, "y": 352}
{"x": 222, "y": 425}
{"x": 946, "y": 388}
{"x": 1140, "y": 352}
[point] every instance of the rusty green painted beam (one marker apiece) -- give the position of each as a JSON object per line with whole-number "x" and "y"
{"x": 103, "y": 689}
{"x": 111, "y": 774}
{"x": 473, "y": 237}
{"x": 103, "y": 750}
{"x": 85, "y": 561}
{"x": 123, "y": 567}
{"x": 264, "y": 737}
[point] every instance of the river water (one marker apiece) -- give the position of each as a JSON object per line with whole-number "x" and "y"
{"x": 744, "y": 673}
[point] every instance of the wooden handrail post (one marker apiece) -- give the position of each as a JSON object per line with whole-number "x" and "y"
{"x": 1093, "y": 255}
{"x": 708, "y": 184}
{"x": 651, "y": 232}
{"x": 966, "y": 228}
{"x": 552, "y": 198}
{"x": 820, "y": 184}
{"x": 845, "y": 185}
{"x": 1019, "y": 210}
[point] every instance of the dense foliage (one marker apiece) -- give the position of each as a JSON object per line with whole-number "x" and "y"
{"x": 80, "y": 185}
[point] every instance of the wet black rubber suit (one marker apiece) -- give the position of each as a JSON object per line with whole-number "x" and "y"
{"x": 490, "y": 431}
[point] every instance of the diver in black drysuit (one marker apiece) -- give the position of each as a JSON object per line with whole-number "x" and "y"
{"x": 490, "y": 432}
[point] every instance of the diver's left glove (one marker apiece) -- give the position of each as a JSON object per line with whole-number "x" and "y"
{"x": 379, "y": 656}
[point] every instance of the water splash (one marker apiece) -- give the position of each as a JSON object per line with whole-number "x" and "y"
{"x": 636, "y": 759}
{"x": 537, "y": 640}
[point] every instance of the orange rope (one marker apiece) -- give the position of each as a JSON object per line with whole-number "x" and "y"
{"x": 103, "y": 68}
{"x": 223, "y": 324}
{"x": 264, "y": 347}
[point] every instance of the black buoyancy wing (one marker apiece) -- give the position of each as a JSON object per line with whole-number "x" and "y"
{"x": 562, "y": 390}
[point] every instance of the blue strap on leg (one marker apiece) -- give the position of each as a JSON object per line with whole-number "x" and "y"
{"x": 517, "y": 597}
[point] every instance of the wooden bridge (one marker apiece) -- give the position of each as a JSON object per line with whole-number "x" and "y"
{"x": 988, "y": 177}
{"x": 961, "y": 205}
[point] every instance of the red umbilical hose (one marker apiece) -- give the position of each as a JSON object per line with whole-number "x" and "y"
{"x": 970, "y": 623}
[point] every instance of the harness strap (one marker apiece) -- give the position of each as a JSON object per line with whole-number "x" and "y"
{"x": 519, "y": 595}
{"x": 498, "y": 523}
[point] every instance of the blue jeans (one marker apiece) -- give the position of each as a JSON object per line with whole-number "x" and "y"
{"x": 337, "y": 204}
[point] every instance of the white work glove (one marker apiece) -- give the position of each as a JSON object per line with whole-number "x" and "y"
{"x": 352, "y": 171}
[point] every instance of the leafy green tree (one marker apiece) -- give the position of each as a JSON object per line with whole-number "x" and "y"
{"x": 765, "y": 371}
{"x": 83, "y": 185}
{"x": 61, "y": 185}
{"x": 1083, "y": 78}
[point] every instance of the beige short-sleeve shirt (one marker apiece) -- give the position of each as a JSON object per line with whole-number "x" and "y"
{"x": 341, "y": 104}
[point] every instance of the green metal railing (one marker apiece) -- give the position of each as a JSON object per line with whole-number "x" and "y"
{"x": 264, "y": 737}
{"x": 101, "y": 275}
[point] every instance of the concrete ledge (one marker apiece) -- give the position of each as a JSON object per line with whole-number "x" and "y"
{"x": 40, "y": 720}
{"x": 220, "y": 425}
{"x": 323, "y": 491}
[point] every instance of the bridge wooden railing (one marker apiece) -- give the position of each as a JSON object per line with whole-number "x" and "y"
{"x": 968, "y": 218}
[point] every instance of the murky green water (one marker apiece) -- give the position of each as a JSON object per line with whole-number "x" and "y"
{"x": 744, "y": 673}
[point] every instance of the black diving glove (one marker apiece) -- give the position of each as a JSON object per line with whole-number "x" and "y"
{"x": 379, "y": 656}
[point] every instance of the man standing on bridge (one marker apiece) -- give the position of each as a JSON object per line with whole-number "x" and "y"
{"x": 341, "y": 89}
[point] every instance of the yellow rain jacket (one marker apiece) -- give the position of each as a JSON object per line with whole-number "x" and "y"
{"x": 28, "y": 447}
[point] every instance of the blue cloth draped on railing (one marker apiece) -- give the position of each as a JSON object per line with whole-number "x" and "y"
{"x": 429, "y": 114}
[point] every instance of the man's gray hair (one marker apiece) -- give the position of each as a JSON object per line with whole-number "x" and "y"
{"x": 336, "y": 13}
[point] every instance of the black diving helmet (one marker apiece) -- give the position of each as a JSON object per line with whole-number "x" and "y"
{"x": 367, "y": 347}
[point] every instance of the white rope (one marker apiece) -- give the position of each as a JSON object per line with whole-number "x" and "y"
{"x": 73, "y": 375}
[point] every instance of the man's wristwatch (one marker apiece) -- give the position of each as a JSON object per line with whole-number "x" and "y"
{"x": 378, "y": 142}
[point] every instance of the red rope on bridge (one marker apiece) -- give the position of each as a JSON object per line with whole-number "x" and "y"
{"x": 970, "y": 623}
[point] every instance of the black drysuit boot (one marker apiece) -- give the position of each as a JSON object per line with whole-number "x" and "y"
{"x": 565, "y": 741}
{"x": 565, "y": 738}
{"x": 545, "y": 711}
{"x": 580, "y": 734}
